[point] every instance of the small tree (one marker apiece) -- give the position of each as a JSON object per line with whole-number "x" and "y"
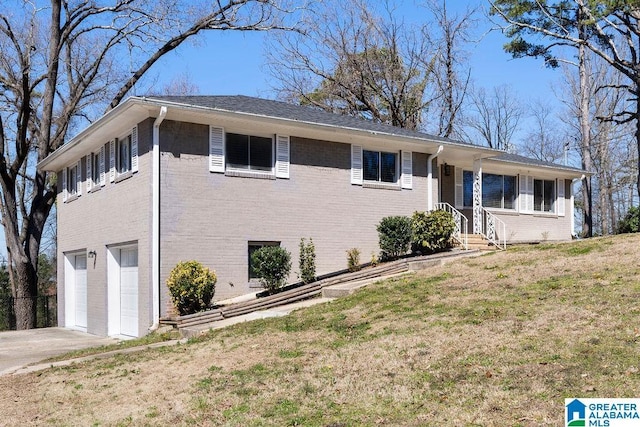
{"x": 353, "y": 259}
{"x": 307, "y": 261}
{"x": 191, "y": 286}
{"x": 394, "y": 233}
{"x": 272, "y": 264}
{"x": 631, "y": 221}
{"x": 431, "y": 231}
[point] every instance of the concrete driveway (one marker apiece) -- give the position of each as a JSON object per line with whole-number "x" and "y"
{"x": 21, "y": 348}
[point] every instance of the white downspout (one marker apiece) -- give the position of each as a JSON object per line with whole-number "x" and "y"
{"x": 155, "y": 226}
{"x": 571, "y": 205}
{"x": 430, "y": 176}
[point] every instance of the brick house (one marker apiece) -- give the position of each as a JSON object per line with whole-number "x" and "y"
{"x": 160, "y": 180}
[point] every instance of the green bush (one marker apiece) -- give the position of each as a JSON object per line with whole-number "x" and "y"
{"x": 394, "y": 234}
{"x": 631, "y": 221}
{"x": 191, "y": 286}
{"x": 272, "y": 264}
{"x": 307, "y": 262}
{"x": 353, "y": 259}
{"x": 431, "y": 231}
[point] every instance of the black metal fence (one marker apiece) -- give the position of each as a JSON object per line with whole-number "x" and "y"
{"x": 46, "y": 315}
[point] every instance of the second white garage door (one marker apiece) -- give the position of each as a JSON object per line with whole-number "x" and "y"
{"x": 129, "y": 292}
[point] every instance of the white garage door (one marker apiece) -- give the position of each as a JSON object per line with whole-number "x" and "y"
{"x": 129, "y": 292}
{"x": 80, "y": 288}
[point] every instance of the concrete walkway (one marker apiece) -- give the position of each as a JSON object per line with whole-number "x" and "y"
{"x": 21, "y": 348}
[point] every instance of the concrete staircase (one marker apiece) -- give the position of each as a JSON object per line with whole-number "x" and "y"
{"x": 478, "y": 242}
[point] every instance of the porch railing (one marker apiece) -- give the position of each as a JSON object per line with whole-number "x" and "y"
{"x": 461, "y": 232}
{"x": 493, "y": 229}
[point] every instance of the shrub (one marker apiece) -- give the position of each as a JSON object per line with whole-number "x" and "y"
{"x": 353, "y": 259}
{"x": 631, "y": 221}
{"x": 307, "y": 261}
{"x": 272, "y": 264}
{"x": 394, "y": 234}
{"x": 191, "y": 286}
{"x": 431, "y": 231}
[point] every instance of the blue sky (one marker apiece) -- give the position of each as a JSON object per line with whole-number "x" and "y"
{"x": 232, "y": 63}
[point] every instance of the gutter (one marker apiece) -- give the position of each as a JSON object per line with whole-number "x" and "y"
{"x": 430, "y": 176}
{"x": 155, "y": 227}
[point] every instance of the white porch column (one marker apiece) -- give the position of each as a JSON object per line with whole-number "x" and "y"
{"x": 430, "y": 177}
{"x": 478, "y": 227}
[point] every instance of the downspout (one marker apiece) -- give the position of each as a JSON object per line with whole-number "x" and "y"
{"x": 572, "y": 207}
{"x": 155, "y": 225}
{"x": 430, "y": 176}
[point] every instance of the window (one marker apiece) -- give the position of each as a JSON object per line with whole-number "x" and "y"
{"x": 249, "y": 152}
{"x": 123, "y": 156}
{"x": 251, "y": 156}
{"x": 467, "y": 178}
{"x": 95, "y": 170}
{"x": 372, "y": 167}
{"x": 254, "y": 246}
{"x": 543, "y": 195}
{"x": 498, "y": 191}
{"x": 72, "y": 180}
{"x": 380, "y": 166}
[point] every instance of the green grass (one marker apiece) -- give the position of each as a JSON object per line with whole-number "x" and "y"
{"x": 494, "y": 340}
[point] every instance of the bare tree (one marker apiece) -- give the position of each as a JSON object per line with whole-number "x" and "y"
{"x": 59, "y": 65}
{"x": 359, "y": 58}
{"x": 179, "y": 85}
{"x": 546, "y": 140}
{"x": 493, "y": 118}
{"x": 451, "y": 74}
{"x": 592, "y": 95}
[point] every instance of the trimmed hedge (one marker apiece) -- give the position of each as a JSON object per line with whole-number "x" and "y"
{"x": 431, "y": 231}
{"x": 273, "y": 265}
{"x": 394, "y": 235}
{"x": 191, "y": 286}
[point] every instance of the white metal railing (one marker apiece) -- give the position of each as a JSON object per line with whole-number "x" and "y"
{"x": 493, "y": 229}
{"x": 461, "y": 232}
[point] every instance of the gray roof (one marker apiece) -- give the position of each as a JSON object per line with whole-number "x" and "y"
{"x": 308, "y": 114}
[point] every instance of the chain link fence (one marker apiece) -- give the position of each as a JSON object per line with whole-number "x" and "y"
{"x": 46, "y": 315}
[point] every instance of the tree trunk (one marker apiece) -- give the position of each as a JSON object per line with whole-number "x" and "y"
{"x": 637, "y": 135}
{"x": 585, "y": 140}
{"x": 26, "y": 296}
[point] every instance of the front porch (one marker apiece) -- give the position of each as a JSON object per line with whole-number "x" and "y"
{"x": 506, "y": 201}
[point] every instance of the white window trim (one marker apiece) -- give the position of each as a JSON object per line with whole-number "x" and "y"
{"x": 459, "y": 187}
{"x": 406, "y": 166}
{"x": 560, "y": 197}
{"x": 65, "y": 194}
{"x": 525, "y": 194}
{"x": 282, "y": 156}
{"x": 356, "y": 164}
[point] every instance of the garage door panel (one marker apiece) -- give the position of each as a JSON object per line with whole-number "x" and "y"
{"x": 80, "y": 288}
{"x": 129, "y": 292}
